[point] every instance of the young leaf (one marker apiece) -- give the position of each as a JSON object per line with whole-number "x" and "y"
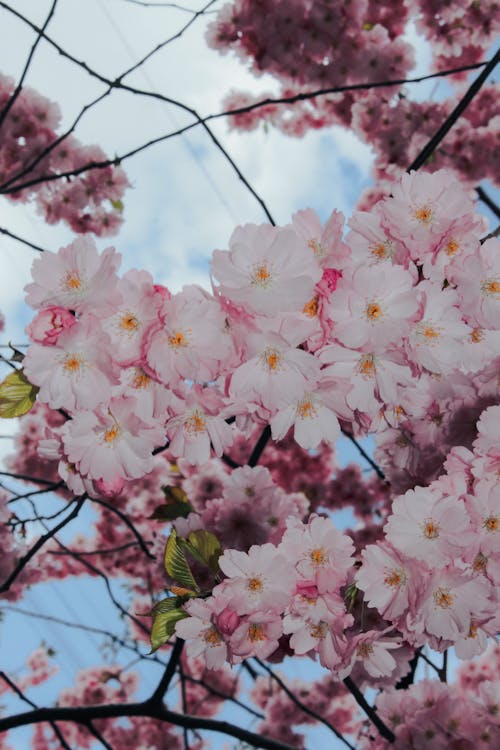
{"x": 176, "y": 564}
{"x": 17, "y": 395}
{"x": 171, "y": 511}
{"x": 164, "y": 627}
{"x": 174, "y": 494}
{"x": 205, "y": 547}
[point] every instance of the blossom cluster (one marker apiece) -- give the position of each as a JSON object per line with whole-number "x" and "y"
{"x": 305, "y": 332}
{"x": 31, "y": 149}
{"x": 436, "y": 715}
{"x": 363, "y": 42}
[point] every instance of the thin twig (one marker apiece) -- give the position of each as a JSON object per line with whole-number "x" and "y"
{"x": 369, "y": 710}
{"x": 18, "y": 89}
{"x": 309, "y": 711}
{"x": 40, "y": 542}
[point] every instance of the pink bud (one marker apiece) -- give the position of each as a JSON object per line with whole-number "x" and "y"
{"x": 49, "y": 323}
{"x": 227, "y": 621}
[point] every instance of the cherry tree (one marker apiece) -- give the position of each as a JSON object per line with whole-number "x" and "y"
{"x": 201, "y": 426}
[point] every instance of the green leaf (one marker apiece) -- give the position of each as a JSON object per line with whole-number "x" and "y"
{"x": 205, "y": 547}
{"x": 176, "y": 564}
{"x": 165, "y": 605}
{"x": 171, "y": 511}
{"x": 174, "y": 494}
{"x": 17, "y": 395}
{"x": 118, "y": 205}
{"x": 164, "y": 627}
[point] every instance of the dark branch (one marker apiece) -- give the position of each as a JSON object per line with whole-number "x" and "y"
{"x": 40, "y": 542}
{"x": 19, "y": 86}
{"x": 20, "y": 239}
{"x": 84, "y": 714}
{"x": 128, "y": 523}
{"x": 369, "y": 710}
{"x": 485, "y": 198}
{"x": 462, "y": 105}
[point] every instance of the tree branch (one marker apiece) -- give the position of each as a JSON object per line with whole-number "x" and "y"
{"x": 462, "y": 105}
{"x": 40, "y": 542}
{"x": 369, "y": 710}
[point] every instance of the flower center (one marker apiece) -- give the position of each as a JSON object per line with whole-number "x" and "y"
{"x": 319, "y": 630}
{"x": 306, "y": 409}
{"x": 129, "y": 322}
{"x": 195, "y": 423}
{"x": 492, "y": 523}
{"x": 256, "y": 632}
{"x": 491, "y": 286}
{"x": 254, "y": 584}
{"x": 423, "y": 215}
{"x": 430, "y": 529}
{"x": 373, "y": 311}
{"x": 395, "y": 578}
{"x": 366, "y": 366}
{"x": 112, "y": 433}
{"x": 379, "y": 251}
{"x": 316, "y": 247}
{"x": 212, "y": 636}
{"x": 365, "y": 650}
{"x": 271, "y": 359}
{"x": 141, "y": 380}
{"x": 318, "y": 557}
{"x": 451, "y": 247}
{"x": 480, "y": 562}
{"x": 72, "y": 363}
{"x": 443, "y": 597}
{"x": 72, "y": 281}
{"x": 311, "y": 308}
{"x": 477, "y": 335}
{"x": 261, "y": 275}
{"x": 177, "y": 340}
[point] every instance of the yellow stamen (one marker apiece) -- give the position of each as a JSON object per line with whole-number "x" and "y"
{"x": 72, "y": 281}
{"x": 365, "y": 650}
{"x": 373, "y": 311}
{"x": 141, "y": 380}
{"x": 256, "y": 632}
{"x": 261, "y": 275}
{"x": 129, "y": 322}
{"x": 254, "y": 584}
{"x": 72, "y": 363}
{"x": 366, "y": 366}
{"x": 492, "y": 523}
{"x": 196, "y": 422}
{"x": 112, "y": 433}
{"x": 306, "y": 409}
{"x": 395, "y": 578}
{"x": 318, "y": 631}
{"x": 430, "y": 529}
{"x": 443, "y": 598}
{"x": 177, "y": 340}
{"x": 379, "y": 251}
{"x": 311, "y": 308}
{"x": 212, "y": 636}
{"x": 451, "y": 247}
{"x": 318, "y": 556}
{"x": 477, "y": 335}
{"x": 480, "y": 562}
{"x": 491, "y": 286}
{"x": 423, "y": 214}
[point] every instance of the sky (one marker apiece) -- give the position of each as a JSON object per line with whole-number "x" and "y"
{"x": 185, "y": 202}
